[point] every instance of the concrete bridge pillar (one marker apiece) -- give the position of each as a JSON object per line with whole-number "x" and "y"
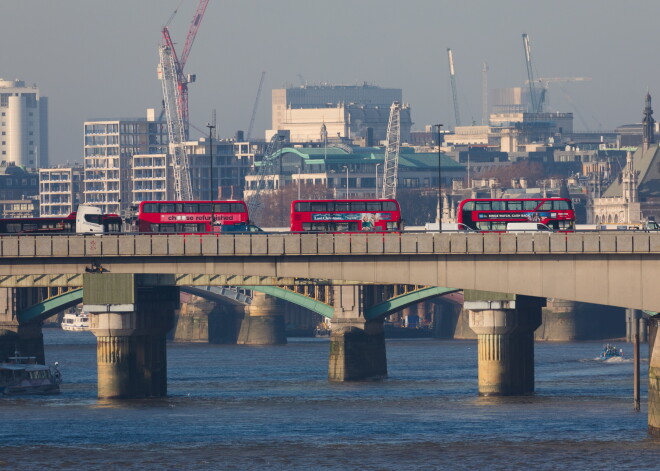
{"x": 130, "y": 324}
{"x": 26, "y": 338}
{"x": 263, "y": 323}
{"x": 654, "y": 376}
{"x": 635, "y": 321}
{"x": 505, "y": 335}
{"x": 357, "y": 345}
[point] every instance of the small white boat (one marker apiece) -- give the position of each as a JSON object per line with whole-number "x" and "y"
{"x": 23, "y": 375}
{"x": 75, "y": 322}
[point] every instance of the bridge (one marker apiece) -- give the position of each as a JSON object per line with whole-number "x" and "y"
{"x": 128, "y": 280}
{"x": 616, "y": 269}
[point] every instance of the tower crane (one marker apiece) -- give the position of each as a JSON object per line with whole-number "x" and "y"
{"x": 175, "y": 98}
{"x": 256, "y": 103}
{"x": 391, "y": 167}
{"x": 452, "y": 77}
{"x": 536, "y": 106}
{"x": 544, "y": 84}
{"x": 254, "y": 205}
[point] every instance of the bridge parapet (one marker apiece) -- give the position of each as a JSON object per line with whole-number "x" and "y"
{"x": 157, "y": 245}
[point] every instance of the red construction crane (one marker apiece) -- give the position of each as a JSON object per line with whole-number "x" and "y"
{"x": 182, "y": 79}
{"x": 175, "y": 99}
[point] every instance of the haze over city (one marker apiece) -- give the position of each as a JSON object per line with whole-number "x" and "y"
{"x": 98, "y": 59}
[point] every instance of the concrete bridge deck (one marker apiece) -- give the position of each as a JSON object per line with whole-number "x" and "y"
{"x": 607, "y": 268}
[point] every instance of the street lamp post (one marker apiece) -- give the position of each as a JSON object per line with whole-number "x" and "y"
{"x": 298, "y": 182}
{"x": 346, "y": 167}
{"x": 439, "y": 178}
{"x": 377, "y": 165}
{"x": 211, "y": 128}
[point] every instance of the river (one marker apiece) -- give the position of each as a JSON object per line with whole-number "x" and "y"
{"x": 272, "y": 408}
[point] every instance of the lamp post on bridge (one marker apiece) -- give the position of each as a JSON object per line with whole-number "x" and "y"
{"x": 377, "y": 165}
{"x": 211, "y": 128}
{"x": 439, "y": 178}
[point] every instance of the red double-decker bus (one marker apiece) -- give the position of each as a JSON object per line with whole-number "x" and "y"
{"x": 189, "y": 216}
{"x": 494, "y": 214}
{"x": 345, "y": 215}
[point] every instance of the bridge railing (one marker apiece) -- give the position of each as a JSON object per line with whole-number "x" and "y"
{"x": 147, "y": 245}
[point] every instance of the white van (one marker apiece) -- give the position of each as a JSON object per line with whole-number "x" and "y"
{"x": 521, "y": 227}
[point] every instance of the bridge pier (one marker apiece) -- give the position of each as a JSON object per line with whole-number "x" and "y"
{"x": 130, "y": 324}
{"x": 357, "y": 345}
{"x": 26, "y": 338}
{"x": 654, "y": 376}
{"x": 263, "y": 323}
{"x": 505, "y": 336}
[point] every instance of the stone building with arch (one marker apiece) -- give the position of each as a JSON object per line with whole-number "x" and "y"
{"x": 634, "y": 196}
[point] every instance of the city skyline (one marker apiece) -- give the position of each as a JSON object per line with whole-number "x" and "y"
{"x": 96, "y": 60}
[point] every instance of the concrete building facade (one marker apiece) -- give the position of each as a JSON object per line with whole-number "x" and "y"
{"x": 23, "y": 124}
{"x": 60, "y": 190}
{"x": 110, "y": 146}
{"x": 347, "y": 111}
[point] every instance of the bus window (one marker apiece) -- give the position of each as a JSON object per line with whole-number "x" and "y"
{"x": 302, "y": 207}
{"x": 389, "y": 206}
{"x": 307, "y": 226}
{"x": 150, "y": 208}
{"x": 358, "y": 206}
{"x": 237, "y": 208}
{"x": 514, "y": 205}
{"x": 166, "y": 208}
{"x": 205, "y": 207}
{"x": 342, "y": 206}
{"x": 530, "y": 205}
{"x": 469, "y": 206}
{"x": 498, "y": 226}
{"x": 482, "y": 205}
{"x": 560, "y": 204}
{"x": 374, "y": 206}
{"x": 190, "y": 228}
{"x": 190, "y": 208}
{"x": 546, "y": 206}
{"x": 483, "y": 226}
{"x": 319, "y": 226}
{"x": 319, "y": 206}
{"x": 498, "y": 205}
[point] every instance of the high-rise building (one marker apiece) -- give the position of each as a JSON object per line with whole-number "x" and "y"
{"x": 23, "y": 125}
{"x": 110, "y": 145}
{"x": 224, "y": 177}
{"x": 60, "y": 190}
{"x": 150, "y": 176}
{"x": 348, "y": 111}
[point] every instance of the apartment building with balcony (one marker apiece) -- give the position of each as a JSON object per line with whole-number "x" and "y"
{"x": 60, "y": 190}
{"x": 109, "y": 148}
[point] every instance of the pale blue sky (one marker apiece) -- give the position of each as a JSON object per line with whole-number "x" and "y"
{"x": 98, "y": 58}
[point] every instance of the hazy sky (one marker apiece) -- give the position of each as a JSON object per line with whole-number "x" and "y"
{"x": 96, "y": 59}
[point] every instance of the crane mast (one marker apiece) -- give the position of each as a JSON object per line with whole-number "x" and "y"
{"x": 452, "y": 77}
{"x": 174, "y": 117}
{"x": 530, "y": 74}
{"x": 391, "y": 170}
{"x": 255, "y": 208}
{"x": 256, "y": 103}
{"x": 175, "y": 101}
{"x": 485, "y": 118}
